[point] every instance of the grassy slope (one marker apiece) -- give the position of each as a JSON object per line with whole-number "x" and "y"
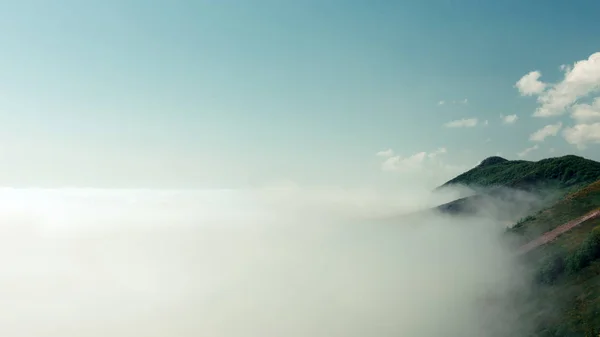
{"x": 573, "y": 205}
{"x": 570, "y": 305}
{"x": 574, "y": 297}
{"x": 549, "y": 179}
{"x": 560, "y": 172}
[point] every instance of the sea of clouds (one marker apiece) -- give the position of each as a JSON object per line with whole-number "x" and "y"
{"x": 284, "y": 261}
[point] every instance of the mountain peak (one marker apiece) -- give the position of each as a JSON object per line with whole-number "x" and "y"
{"x": 556, "y": 173}
{"x": 492, "y": 161}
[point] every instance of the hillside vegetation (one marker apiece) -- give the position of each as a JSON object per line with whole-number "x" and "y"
{"x": 556, "y": 173}
{"x": 567, "y": 271}
{"x": 571, "y": 206}
{"x": 566, "y": 284}
{"x": 564, "y": 299}
{"x": 540, "y": 185}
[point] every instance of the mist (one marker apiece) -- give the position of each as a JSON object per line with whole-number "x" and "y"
{"x": 269, "y": 262}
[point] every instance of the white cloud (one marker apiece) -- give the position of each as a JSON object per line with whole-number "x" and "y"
{"x": 527, "y": 151}
{"x": 582, "y": 134}
{"x": 462, "y": 101}
{"x": 385, "y": 153}
{"x": 551, "y": 150}
{"x": 462, "y": 123}
{"x": 423, "y": 164}
{"x": 397, "y": 163}
{"x": 441, "y": 150}
{"x": 488, "y": 140}
{"x": 530, "y": 84}
{"x": 546, "y": 131}
{"x": 580, "y": 80}
{"x": 585, "y": 113}
{"x": 224, "y": 253}
{"x": 510, "y": 119}
{"x": 485, "y": 123}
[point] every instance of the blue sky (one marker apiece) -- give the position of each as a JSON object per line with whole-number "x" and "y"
{"x": 228, "y": 94}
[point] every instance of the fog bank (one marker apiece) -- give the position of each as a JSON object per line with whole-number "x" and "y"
{"x": 248, "y": 263}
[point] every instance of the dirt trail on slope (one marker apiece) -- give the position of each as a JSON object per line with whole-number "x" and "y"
{"x": 553, "y": 234}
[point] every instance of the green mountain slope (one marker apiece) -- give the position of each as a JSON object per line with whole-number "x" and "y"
{"x": 564, "y": 296}
{"x": 495, "y": 179}
{"x": 555, "y": 173}
{"x": 571, "y": 206}
{"x": 500, "y": 203}
{"x": 567, "y": 270}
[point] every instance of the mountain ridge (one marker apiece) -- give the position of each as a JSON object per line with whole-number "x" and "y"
{"x": 564, "y": 245}
{"x": 556, "y": 172}
{"x": 495, "y": 181}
